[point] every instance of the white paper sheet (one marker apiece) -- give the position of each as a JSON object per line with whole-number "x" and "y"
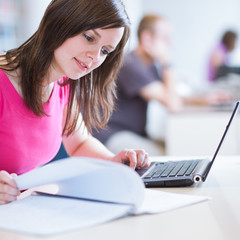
{"x": 41, "y": 215}
{"x": 156, "y": 201}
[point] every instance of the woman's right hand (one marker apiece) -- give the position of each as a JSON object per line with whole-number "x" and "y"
{"x": 8, "y": 188}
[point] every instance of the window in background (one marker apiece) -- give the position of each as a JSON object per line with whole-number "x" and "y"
{"x": 9, "y": 14}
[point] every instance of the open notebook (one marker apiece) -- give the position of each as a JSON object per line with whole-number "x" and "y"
{"x": 183, "y": 172}
{"x": 81, "y": 192}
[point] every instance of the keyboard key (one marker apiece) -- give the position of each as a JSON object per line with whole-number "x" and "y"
{"x": 191, "y": 168}
{"x": 177, "y": 168}
{"x": 168, "y": 170}
{"x": 184, "y": 168}
{"x": 157, "y": 167}
{"x": 160, "y": 170}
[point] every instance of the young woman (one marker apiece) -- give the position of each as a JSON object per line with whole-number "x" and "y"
{"x": 58, "y": 85}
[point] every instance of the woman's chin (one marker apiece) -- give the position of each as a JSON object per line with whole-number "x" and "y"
{"x": 76, "y": 76}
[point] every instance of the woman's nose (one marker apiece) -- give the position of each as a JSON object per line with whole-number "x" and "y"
{"x": 95, "y": 55}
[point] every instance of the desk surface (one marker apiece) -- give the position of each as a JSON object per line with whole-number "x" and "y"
{"x": 198, "y": 130}
{"x": 206, "y": 109}
{"x": 218, "y": 218}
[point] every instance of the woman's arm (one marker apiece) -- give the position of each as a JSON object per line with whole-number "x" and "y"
{"x": 81, "y": 143}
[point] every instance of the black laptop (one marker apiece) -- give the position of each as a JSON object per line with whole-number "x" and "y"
{"x": 181, "y": 173}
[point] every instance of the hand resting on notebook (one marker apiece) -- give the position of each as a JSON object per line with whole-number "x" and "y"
{"x": 8, "y": 188}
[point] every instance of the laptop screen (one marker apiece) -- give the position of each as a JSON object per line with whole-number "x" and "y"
{"x": 222, "y": 139}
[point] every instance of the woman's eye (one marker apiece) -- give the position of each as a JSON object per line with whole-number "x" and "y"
{"x": 90, "y": 39}
{"x": 105, "y": 52}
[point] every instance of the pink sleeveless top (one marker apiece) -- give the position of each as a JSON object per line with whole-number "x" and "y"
{"x": 26, "y": 140}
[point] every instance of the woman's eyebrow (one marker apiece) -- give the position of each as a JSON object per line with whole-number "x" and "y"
{"x": 97, "y": 33}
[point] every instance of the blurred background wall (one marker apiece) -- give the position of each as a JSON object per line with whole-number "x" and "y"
{"x": 196, "y": 27}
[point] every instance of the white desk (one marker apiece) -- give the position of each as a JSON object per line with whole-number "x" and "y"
{"x": 198, "y": 130}
{"x": 216, "y": 219}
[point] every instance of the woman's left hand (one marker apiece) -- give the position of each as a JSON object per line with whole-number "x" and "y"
{"x": 133, "y": 158}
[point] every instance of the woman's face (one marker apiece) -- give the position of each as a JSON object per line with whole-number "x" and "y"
{"x": 81, "y": 54}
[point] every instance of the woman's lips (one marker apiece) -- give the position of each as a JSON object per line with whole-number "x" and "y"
{"x": 81, "y": 65}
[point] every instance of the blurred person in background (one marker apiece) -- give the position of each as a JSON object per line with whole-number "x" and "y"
{"x": 219, "y": 63}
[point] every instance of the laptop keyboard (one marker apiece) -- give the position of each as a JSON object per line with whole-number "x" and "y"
{"x": 172, "y": 169}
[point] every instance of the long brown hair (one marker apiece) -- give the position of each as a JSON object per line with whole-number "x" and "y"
{"x": 64, "y": 19}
